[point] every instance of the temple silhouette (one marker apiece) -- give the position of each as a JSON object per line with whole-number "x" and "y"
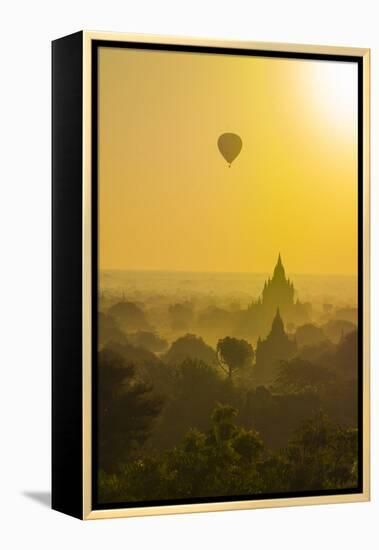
{"x": 275, "y": 348}
{"x": 278, "y": 292}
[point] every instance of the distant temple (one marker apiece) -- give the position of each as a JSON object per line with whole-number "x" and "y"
{"x": 278, "y": 292}
{"x": 276, "y": 347}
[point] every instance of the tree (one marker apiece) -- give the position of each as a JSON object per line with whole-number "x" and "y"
{"x": 346, "y": 358}
{"x": 192, "y": 391}
{"x": 189, "y": 346}
{"x": 337, "y": 328}
{"x": 126, "y": 410}
{"x": 299, "y": 375}
{"x": 148, "y": 340}
{"x": 228, "y": 459}
{"x": 309, "y": 335}
{"x": 129, "y": 316}
{"x": 181, "y": 316}
{"x": 108, "y": 330}
{"x": 220, "y": 461}
{"x": 135, "y": 355}
{"x": 276, "y": 415}
{"x": 233, "y": 354}
{"x": 322, "y": 455}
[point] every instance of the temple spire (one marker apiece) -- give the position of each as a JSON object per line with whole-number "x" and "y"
{"x": 277, "y": 324}
{"x": 279, "y": 269}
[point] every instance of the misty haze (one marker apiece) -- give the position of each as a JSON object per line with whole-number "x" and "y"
{"x": 233, "y": 373}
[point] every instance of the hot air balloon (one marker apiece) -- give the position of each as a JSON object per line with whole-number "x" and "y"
{"x": 230, "y": 146}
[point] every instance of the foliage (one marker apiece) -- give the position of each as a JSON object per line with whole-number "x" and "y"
{"x": 217, "y": 462}
{"x": 129, "y": 316}
{"x": 322, "y": 455}
{"x": 277, "y": 415}
{"x": 148, "y": 340}
{"x": 233, "y": 354}
{"x": 108, "y": 330}
{"x": 189, "y": 347}
{"x": 126, "y": 410}
{"x": 230, "y": 460}
{"x": 346, "y": 358}
{"x": 130, "y": 353}
{"x": 181, "y": 316}
{"x": 298, "y": 375}
{"x": 309, "y": 335}
{"x": 192, "y": 390}
{"x": 337, "y": 328}
{"x": 171, "y": 424}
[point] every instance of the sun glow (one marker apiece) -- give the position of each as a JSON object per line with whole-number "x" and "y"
{"x": 334, "y": 87}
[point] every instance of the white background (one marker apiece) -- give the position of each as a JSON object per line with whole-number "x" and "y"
{"x": 27, "y": 27}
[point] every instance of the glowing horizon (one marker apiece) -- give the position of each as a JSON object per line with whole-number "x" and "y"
{"x": 289, "y": 273}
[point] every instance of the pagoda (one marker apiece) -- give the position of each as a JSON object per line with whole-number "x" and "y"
{"x": 278, "y": 346}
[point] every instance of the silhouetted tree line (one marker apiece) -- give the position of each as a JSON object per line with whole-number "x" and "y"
{"x": 187, "y": 420}
{"x": 229, "y": 460}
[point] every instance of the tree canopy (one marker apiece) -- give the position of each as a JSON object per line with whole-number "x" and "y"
{"x": 126, "y": 410}
{"x": 233, "y": 354}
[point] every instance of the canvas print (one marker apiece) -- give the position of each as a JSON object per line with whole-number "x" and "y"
{"x": 228, "y": 309}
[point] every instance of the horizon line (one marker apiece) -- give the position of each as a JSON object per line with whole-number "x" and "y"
{"x": 288, "y": 273}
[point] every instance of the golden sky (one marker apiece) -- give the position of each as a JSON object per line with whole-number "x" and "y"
{"x": 169, "y": 201}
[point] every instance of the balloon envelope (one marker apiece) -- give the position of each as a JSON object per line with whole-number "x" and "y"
{"x": 230, "y": 146}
